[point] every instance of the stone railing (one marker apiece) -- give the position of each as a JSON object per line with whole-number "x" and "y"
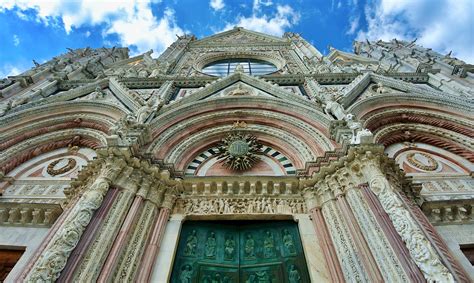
{"x": 29, "y": 214}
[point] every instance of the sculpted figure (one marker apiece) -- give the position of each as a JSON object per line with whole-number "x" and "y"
{"x": 229, "y": 247}
{"x": 143, "y": 73}
{"x": 334, "y": 108}
{"x": 186, "y": 274}
{"x": 5, "y": 82}
{"x": 191, "y": 244}
{"x": 268, "y": 245}
{"x": 211, "y": 245}
{"x": 249, "y": 247}
{"x": 144, "y": 112}
{"x": 97, "y": 94}
{"x": 288, "y": 242}
{"x": 4, "y": 107}
{"x": 239, "y": 68}
{"x": 293, "y": 275}
{"x": 263, "y": 277}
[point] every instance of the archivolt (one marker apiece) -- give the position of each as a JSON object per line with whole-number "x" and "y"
{"x": 16, "y": 155}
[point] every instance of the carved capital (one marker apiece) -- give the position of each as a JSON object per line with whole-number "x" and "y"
{"x": 168, "y": 200}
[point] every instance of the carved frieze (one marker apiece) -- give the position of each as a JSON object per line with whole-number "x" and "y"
{"x": 257, "y": 205}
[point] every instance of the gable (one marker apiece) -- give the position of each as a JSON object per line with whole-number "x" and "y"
{"x": 240, "y": 89}
{"x": 239, "y": 36}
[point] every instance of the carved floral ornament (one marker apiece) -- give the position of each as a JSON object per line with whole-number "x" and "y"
{"x": 369, "y": 165}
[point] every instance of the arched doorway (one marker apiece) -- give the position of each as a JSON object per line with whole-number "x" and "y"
{"x": 240, "y": 251}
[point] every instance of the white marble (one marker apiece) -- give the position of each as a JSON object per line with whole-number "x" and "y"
{"x": 456, "y": 235}
{"x": 317, "y": 268}
{"x": 164, "y": 263}
{"x": 25, "y": 237}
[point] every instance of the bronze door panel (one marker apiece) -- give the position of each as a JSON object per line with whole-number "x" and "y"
{"x": 240, "y": 251}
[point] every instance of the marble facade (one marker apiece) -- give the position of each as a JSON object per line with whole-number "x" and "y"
{"x": 103, "y": 157}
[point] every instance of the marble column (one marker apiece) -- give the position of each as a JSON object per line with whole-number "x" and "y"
{"x": 326, "y": 244}
{"x": 121, "y": 239}
{"x": 129, "y": 265}
{"x": 401, "y": 251}
{"x": 362, "y": 248}
{"x": 347, "y": 253}
{"x": 420, "y": 248}
{"x": 96, "y": 255}
{"x": 152, "y": 249}
{"x": 53, "y": 259}
{"x": 89, "y": 234}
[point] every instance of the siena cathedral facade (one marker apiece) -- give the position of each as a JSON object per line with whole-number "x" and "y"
{"x": 240, "y": 157}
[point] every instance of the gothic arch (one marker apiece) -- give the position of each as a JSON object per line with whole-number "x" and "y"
{"x": 415, "y": 120}
{"x": 180, "y": 135}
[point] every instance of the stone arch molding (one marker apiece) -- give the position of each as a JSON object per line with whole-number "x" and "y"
{"x": 279, "y": 164}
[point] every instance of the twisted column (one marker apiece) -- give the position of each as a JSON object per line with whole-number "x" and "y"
{"x": 96, "y": 255}
{"x": 53, "y": 260}
{"x": 419, "y": 247}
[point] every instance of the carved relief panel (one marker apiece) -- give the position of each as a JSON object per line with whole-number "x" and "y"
{"x": 240, "y": 252}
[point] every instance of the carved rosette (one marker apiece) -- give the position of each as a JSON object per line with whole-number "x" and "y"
{"x": 239, "y": 151}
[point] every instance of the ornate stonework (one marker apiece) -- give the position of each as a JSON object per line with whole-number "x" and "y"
{"x": 103, "y": 156}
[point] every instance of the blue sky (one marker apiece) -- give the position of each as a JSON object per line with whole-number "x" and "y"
{"x": 41, "y": 29}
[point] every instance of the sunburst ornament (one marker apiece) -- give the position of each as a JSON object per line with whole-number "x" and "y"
{"x": 239, "y": 151}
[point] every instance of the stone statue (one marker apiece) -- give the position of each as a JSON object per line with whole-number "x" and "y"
{"x": 293, "y": 275}
{"x": 239, "y": 91}
{"x": 211, "y": 245}
{"x": 239, "y": 68}
{"x": 268, "y": 245}
{"x": 288, "y": 242}
{"x": 229, "y": 247}
{"x": 380, "y": 88}
{"x": 191, "y": 244}
{"x": 5, "y": 82}
{"x": 186, "y": 274}
{"x": 143, "y": 73}
{"x": 144, "y": 112}
{"x": 249, "y": 248}
{"x": 334, "y": 108}
{"x": 4, "y": 107}
{"x": 97, "y": 94}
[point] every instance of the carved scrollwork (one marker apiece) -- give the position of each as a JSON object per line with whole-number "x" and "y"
{"x": 419, "y": 247}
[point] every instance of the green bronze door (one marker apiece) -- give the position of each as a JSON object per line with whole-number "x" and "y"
{"x": 250, "y": 252}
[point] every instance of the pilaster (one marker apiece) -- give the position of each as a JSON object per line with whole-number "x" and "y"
{"x": 54, "y": 257}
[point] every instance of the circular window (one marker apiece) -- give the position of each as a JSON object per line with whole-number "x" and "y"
{"x": 226, "y": 67}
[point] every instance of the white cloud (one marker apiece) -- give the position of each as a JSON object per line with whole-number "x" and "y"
{"x": 354, "y": 24}
{"x": 10, "y": 70}
{"x": 258, "y": 3}
{"x": 445, "y": 25}
{"x": 216, "y": 4}
{"x": 16, "y": 40}
{"x": 285, "y": 17}
{"x": 132, "y": 21}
